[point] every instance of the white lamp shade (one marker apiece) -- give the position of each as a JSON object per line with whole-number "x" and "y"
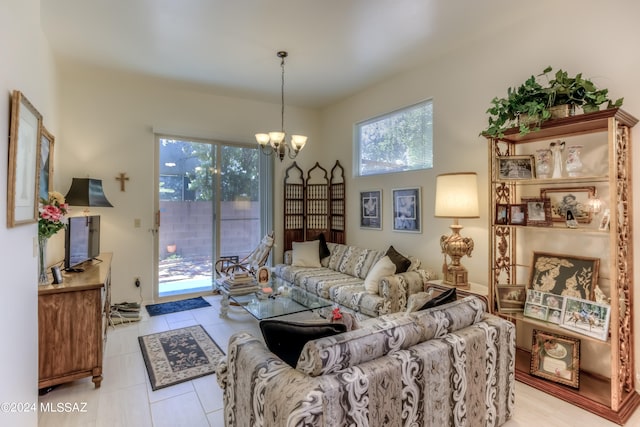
{"x": 298, "y": 142}
{"x": 457, "y": 195}
{"x": 262, "y": 138}
{"x": 276, "y": 138}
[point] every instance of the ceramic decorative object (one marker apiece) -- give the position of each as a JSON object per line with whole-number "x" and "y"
{"x": 574, "y": 163}
{"x": 543, "y": 163}
{"x": 557, "y": 147}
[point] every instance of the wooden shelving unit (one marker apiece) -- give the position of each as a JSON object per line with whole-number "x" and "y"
{"x": 605, "y": 389}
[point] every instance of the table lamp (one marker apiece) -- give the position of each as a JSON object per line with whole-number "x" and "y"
{"x": 87, "y": 192}
{"x": 456, "y": 197}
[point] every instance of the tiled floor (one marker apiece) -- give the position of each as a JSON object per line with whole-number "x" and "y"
{"x": 126, "y": 399}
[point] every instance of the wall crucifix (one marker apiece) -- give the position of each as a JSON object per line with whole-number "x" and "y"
{"x": 122, "y": 178}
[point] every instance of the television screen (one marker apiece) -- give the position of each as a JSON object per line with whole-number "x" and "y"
{"x": 82, "y": 240}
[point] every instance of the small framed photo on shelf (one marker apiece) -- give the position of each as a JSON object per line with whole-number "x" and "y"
{"x": 371, "y": 209}
{"x": 604, "y": 222}
{"x": 574, "y": 199}
{"x": 511, "y": 298}
{"x": 406, "y": 210}
{"x": 555, "y": 358}
{"x": 544, "y": 303}
{"x": 565, "y": 275}
{"x": 516, "y": 167}
{"x": 502, "y": 214}
{"x": 586, "y": 317}
{"x": 538, "y": 211}
{"x": 518, "y": 214}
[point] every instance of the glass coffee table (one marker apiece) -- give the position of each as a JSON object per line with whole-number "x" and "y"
{"x": 282, "y": 301}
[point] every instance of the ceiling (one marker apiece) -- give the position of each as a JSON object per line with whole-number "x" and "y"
{"x": 336, "y": 47}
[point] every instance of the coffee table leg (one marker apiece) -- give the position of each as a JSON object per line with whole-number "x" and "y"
{"x": 224, "y": 305}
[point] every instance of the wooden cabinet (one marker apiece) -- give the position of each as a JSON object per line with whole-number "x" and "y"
{"x": 607, "y": 374}
{"x": 72, "y": 324}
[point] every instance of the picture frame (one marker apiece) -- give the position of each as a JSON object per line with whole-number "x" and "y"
{"x": 516, "y": 167}
{"x": 538, "y": 211}
{"x": 565, "y": 275}
{"x": 604, "y": 222}
{"x": 544, "y": 306}
{"x": 263, "y": 275}
{"x": 502, "y": 214}
{"x": 511, "y": 298}
{"x": 407, "y": 215}
{"x": 575, "y": 199}
{"x": 555, "y": 358}
{"x": 24, "y": 147}
{"x": 586, "y": 317}
{"x": 47, "y": 141}
{"x": 371, "y": 209}
{"x": 518, "y": 214}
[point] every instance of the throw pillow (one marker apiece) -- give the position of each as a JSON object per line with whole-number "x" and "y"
{"x": 444, "y": 298}
{"x": 324, "y": 249}
{"x": 306, "y": 254}
{"x": 416, "y": 301}
{"x": 287, "y": 339}
{"x": 402, "y": 262}
{"x": 383, "y": 268}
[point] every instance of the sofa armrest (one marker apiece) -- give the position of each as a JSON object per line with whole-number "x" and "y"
{"x": 396, "y": 288}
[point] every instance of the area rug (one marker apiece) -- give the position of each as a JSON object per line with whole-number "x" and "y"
{"x": 179, "y": 355}
{"x": 175, "y": 306}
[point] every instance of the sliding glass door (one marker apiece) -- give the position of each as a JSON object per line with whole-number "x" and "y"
{"x": 210, "y": 204}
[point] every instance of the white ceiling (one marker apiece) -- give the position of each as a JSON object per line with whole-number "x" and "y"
{"x": 336, "y": 47}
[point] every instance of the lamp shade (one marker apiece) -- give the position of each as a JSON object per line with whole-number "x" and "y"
{"x": 457, "y": 195}
{"x": 87, "y": 192}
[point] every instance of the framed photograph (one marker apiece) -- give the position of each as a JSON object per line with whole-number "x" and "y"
{"x": 406, "y": 210}
{"x": 371, "y": 209}
{"x": 46, "y": 163}
{"x": 511, "y": 298}
{"x": 535, "y": 311}
{"x": 544, "y": 306}
{"x": 518, "y": 214}
{"x": 516, "y": 167}
{"x": 604, "y": 222}
{"x": 586, "y": 317}
{"x": 566, "y": 275}
{"x": 556, "y": 358}
{"x": 502, "y": 214}
{"x": 24, "y": 147}
{"x": 574, "y": 199}
{"x": 263, "y": 275}
{"x": 538, "y": 211}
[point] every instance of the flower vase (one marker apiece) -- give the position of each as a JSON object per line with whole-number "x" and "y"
{"x": 543, "y": 163}
{"x": 574, "y": 163}
{"x": 43, "y": 279}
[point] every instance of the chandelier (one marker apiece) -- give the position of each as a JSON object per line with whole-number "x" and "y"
{"x": 274, "y": 142}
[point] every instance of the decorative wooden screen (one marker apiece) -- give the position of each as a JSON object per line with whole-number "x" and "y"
{"x": 315, "y": 205}
{"x": 337, "y": 212}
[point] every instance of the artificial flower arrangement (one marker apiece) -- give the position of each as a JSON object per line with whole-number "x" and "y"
{"x": 51, "y": 216}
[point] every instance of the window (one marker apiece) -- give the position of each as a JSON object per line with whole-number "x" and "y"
{"x": 396, "y": 142}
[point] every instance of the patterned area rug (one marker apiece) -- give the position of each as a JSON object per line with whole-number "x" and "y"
{"x": 175, "y": 306}
{"x": 179, "y": 355}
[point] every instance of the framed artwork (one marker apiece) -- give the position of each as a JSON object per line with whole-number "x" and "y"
{"x": 574, "y": 199}
{"x": 604, "y": 222}
{"x": 535, "y": 311}
{"x": 46, "y": 163}
{"x": 406, "y": 210}
{"x": 502, "y": 214}
{"x": 586, "y": 317}
{"x": 371, "y": 209}
{"x": 24, "y": 146}
{"x": 516, "y": 167}
{"x": 263, "y": 275}
{"x": 548, "y": 306}
{"x": 511, "y": 298}
{"x": 556, "y": 358}
{"x": 518, "y": 214}
{"x": 538, "y": 211}
{"x": 566, "y": 275}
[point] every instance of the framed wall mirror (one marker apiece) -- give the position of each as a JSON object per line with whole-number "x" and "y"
{"x": 46, "y": 163}
{"x": 24, "y": 155}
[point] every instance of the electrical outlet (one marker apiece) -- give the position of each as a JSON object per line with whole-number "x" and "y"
{"x": 136, "y": 281}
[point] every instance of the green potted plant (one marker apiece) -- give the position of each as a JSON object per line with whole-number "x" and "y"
{"x": 531, "y": 103}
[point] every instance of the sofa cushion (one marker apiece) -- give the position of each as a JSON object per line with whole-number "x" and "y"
{"x": 444, "y": 298}
{"x": 444, "y": 319}
{"x": 356, "y": 298}
{"x": 286, "y": 339}
{"x": 402, "y": 263}
{"x": 306, "y": 254}
{"x": 352, "y": 260}
{"x": 384, "y": 267}
{"x": 417, "y": 300}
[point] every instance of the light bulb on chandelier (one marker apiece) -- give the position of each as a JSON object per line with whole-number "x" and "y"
{"x": 274, "y": 142}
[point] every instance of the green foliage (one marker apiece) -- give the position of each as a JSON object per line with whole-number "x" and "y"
{"x": 534, "y": 100}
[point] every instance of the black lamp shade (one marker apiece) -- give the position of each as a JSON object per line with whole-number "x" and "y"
{"x": 87, "y": 192}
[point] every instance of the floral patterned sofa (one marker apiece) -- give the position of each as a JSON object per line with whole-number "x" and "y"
{"x": 452, "y": 365}
{"x": 342, "y": 275}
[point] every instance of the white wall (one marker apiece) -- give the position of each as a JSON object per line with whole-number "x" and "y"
{"x": 108, "y": 121}
{"x": 598, "y": 40}
{"x": 27, "y": 66}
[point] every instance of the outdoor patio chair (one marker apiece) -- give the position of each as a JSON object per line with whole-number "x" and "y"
{"x": 228, "y": 265}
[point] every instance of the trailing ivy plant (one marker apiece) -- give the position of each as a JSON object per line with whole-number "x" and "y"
{"x": 535, "y": 100}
